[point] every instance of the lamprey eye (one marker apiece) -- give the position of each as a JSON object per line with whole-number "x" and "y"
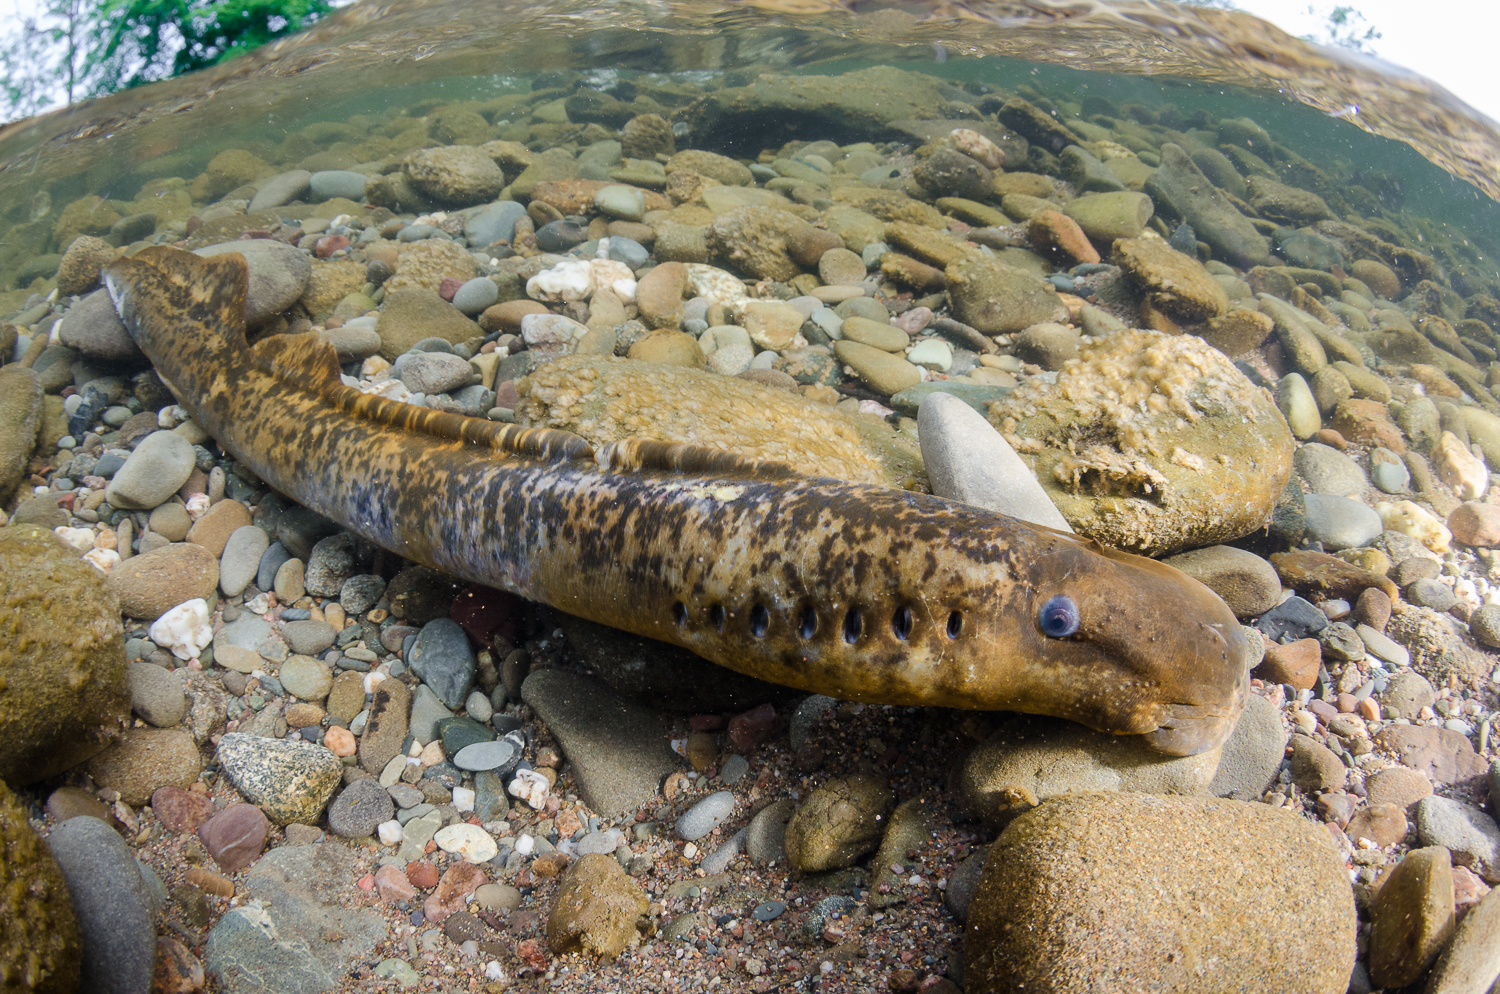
{"x": 1059, "y": 617}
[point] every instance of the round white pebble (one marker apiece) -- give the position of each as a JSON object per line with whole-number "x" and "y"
{"x": 471, "y": 842}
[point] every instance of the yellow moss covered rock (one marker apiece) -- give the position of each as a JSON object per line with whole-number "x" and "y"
{"x": 63, "y": 690}
{"x": 40, "y": 947}
{"x": 606, "y": 400}
{"x": 1152, "y": 443}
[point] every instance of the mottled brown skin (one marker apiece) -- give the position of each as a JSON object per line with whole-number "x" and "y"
{"x": 857, "y": 591}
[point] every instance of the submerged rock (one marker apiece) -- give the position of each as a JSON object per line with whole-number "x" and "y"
{"x": 1051, "y": 915}
{"x": 63, "y": 687}
{"x": 1152, "y": 443}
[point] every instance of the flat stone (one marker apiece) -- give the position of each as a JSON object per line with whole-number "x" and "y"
{"x": 155, "y": 470}
{"x": 306, "y": 677}
{"x": 1464, "y": 830}
{"x": 1341, "y": 523}
{"x": 616, "y": 747}
{"x": 471, "y": 842}
{"x": 297, "y": 937}
{"x": 486, "y": 755}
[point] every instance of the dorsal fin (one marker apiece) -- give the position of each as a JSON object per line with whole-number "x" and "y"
{"x": 545, "y": 444}
{"x": 308, "y": 360}
{"x": 677, "y": 457}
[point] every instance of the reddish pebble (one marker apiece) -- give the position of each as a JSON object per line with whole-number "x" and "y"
{"x": 177, "y": 970}
{"x": 1373, "y": 608}
{"x": 422, "y": 874}
{"x": 453, "y": 891}
{"x": 1369, "y": 709}
{"x": 705, "y": 722}
{"x": 567, "y": 823}
{"x": 236, "y": 836}
{"x": 1326, "y": 712}
{"x": 486, "y": 614}
{"x": 1295, "y": 664}
{"x": 1328, "y": 436}
{"x": 1055, "y": 235}
{"x": 367, "y": 882}
{"x": 914, "y": 320}
{"x": 531, "y": 955}
{"x": 393, "y": 884}
{"x": 1348, "y": 703}
{"x": 340, "y": 741}
{"x": 66, "y": 498}
{"x": 748, "y": 730}
{"x": 1476, "y": 524}
{"x": 449, "y": 287}
{"x": 1468, "y": 889}
{"x": 329, "y": 244}
{"x": 180, "y": 810}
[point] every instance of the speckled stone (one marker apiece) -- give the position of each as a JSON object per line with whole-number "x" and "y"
{"x": 359, "y": 808}
{"x": 1053, "y": 914}
{"x": 290, "y": 780}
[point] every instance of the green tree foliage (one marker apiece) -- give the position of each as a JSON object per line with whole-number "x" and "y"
{"x": 86, "y": 48}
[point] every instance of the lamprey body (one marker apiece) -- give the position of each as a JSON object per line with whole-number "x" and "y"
{"x": 857, "y": 591}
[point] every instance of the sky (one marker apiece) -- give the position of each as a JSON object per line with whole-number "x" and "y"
{"x": 1452, "y": 42}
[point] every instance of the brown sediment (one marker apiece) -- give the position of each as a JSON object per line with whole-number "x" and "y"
{"x": 857, "y": 591}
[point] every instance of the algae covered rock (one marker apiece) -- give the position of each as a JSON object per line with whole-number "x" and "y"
{"x": 40, "y": 947}
{"x": 20, "y": 417}
{"x": 996, "y": 298}
{"x": 1152, "y": 443}
{"x": 606, "y": 400}
{"x": 63, "y": 687}
{"x": 1179, "y": 189}
{"x": 1173, "y": 283}
{"x": 839, "y": 822}
{"x": 596, "y": 909}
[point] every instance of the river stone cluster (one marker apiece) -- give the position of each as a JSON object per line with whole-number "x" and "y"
{"x": 1190, "y": 333}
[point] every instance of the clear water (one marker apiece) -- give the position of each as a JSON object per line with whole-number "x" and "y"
{"x": 1427, "y": 163}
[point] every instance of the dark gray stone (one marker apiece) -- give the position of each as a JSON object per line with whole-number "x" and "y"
{"x": 270, "y": 561}
{"x": 360, "y": 807}
{"x": 1295, "y": 618}
{"x": 360, "y": 593}
{"x": 442, "y": 659}
{"x": 113, "y": 906}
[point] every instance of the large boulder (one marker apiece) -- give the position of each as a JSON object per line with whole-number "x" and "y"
{"x": 1152, "y": 443}
{"x": 63, "y": 687}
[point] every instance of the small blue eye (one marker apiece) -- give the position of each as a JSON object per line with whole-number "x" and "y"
{"x": 1059, "y": 617}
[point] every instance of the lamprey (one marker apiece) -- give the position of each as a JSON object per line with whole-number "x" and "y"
{"x": 857, "y": 591}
